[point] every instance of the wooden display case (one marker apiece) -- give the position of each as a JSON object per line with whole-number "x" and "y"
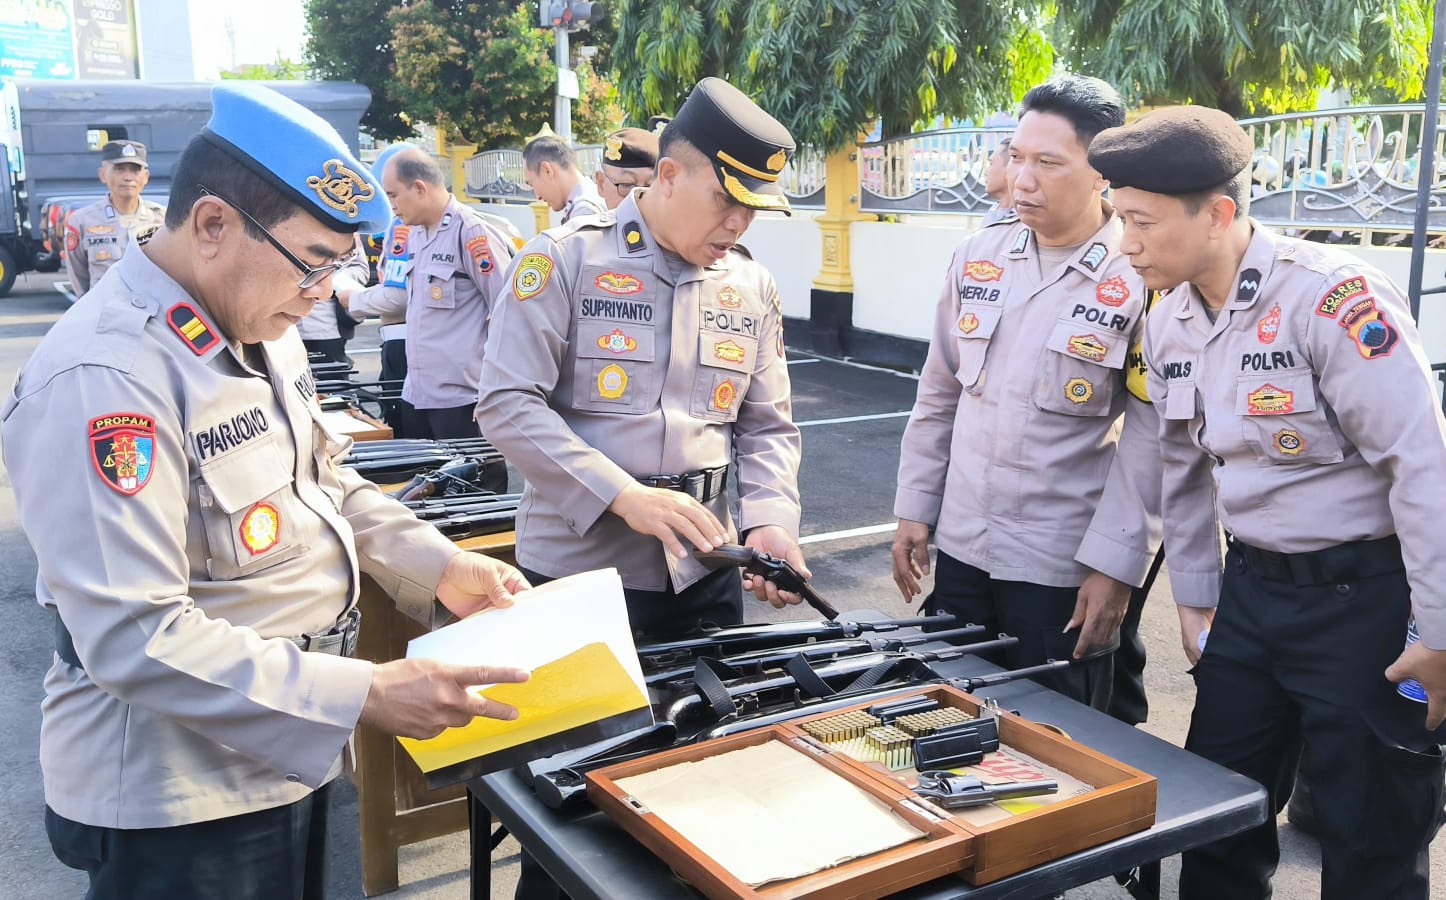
{"x": 1116, "y": 800}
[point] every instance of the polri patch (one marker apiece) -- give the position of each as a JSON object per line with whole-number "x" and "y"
{"x": 122, "y": 447}
{"x": 533, "y": 271}
{"x": 1078, "y": 390}
{"x": 612, "y": 382}
{"x": 1267, "y": 328}
{"x": 1330, "y": 305}
{"x": 481, "y": 253}
{"x": 260, "y": 528}
{"x": 191, "y": 328}
{"x": 1113, "y": 291}
{"x": 1289, "y": 441}
{"x": 724, "y": 393}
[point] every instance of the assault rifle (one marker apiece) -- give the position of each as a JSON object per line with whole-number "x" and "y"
{"x": 721, "y": 642}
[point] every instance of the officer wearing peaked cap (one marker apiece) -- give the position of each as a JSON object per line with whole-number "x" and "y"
{"x": 628, "y": 158}
{"x": 199, "y": 544}
{"x": 1297, "y": 411}
{"x": 97, "y": 236}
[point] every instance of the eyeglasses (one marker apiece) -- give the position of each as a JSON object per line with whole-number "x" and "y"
{"x": 311, "y": 276}
{"x": 622, "y": 187}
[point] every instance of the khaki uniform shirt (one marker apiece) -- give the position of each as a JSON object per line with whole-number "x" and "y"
{"x": 583, "y": 201}
{"x": 1012, "y": 440}
{"x": 188, "y": 517}
{"x": 601, "y": 369}
{"x": 1305, "y": 416}
{"x": 457, "y": 273}
{"x": 96, "y": 237}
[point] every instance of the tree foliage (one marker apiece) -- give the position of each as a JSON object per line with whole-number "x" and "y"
{"x": 827, "y": 70}
{"x": 1248, "y": 56}
{"x": 351, "y": 40}
{"x": 480, "y": 68}
{"x": 282, "y": 70}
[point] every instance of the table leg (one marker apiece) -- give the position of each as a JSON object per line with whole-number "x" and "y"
{"x": 479, "y": 830}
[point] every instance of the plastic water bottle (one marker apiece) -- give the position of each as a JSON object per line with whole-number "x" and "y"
{"x": 1411, "y": 688}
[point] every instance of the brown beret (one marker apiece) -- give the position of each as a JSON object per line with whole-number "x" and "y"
{"x": 631, "y": 148}
{"x": 1176, "y": 150}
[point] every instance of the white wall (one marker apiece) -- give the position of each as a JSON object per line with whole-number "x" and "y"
{"x": 519, "y": 214}
{"x": 792, "y": 250}
{"x": 163, "y": 33}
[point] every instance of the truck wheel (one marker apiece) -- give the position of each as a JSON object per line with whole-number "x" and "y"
{"x": 8, "y": 271}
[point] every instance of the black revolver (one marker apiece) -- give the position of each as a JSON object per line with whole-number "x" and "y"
{"x": 769, "y": 568}
{"x": 962, "y": 791}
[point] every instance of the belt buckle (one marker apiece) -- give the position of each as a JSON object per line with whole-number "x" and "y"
{"x": 666, "y": 482}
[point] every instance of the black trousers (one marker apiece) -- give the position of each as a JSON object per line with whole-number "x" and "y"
{"x": 454, "y": 422}
{"x": 1035, "y": 614}
{"x": 274, "y": 854}
{"x": 1295, "y": 674}
{"x": 394, "y": 368}
{"x": 334, "y": 349}
{"x": 655, "y": 616}
{"x": 1128, "y": 702}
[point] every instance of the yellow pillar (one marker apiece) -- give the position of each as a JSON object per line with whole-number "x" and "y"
{"x": 458, "y": 153}
{"x": 840, "y": 208}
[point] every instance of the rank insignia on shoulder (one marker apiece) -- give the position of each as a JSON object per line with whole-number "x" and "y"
{"x": 1095, "y": 256}
{"x": 1078, "y": 390}
{"x": 982, "y": 270}
{"x": 1021, "y": 240}
{"x": 612, "y": 382}
{"x": 533, "y": 271}
{"x": 191, "y": 328}
{"x": 1289, "y": 441}
{"x": 633, "y": 237}
{"x": 618, "y": 283}
{"x": 1248, "y": 287}
{"x": 122, "y": 447}
{"x": 260, "y": 528}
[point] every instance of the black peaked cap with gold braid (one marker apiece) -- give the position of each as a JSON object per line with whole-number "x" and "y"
{"x": 747, "y": 146}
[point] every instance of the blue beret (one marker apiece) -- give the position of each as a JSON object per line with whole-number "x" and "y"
{"x": 298, "y": 153}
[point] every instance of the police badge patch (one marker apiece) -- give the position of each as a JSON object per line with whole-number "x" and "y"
{"x": 122, "y": 447}
{"x": 531, "y": 276}
{"x": 260, "y": 528}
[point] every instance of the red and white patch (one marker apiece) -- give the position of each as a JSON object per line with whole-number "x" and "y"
{"x": 1113, "y": 291}
{"x": 1267, "y": 328}
{"x": 122, "y": 448}
{"x": 982, "y": 270}
{"x": 72, "y": 239}
{"x": 260, "y": 528}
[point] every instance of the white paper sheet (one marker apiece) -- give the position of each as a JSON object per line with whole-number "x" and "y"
{"x": 546, "y": 623}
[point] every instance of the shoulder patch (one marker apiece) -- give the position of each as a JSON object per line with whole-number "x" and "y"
{"x": 531, "y": 276}
{"x": 1095, "y": 256}
{"x": 191, "y": 328}
{"x": 72, "y": 238}
{"x": 633, "y": 237}
{"x": 1330, "y": 305}
{"x": 481, "y": 253}
{"x": 122, "y": 447}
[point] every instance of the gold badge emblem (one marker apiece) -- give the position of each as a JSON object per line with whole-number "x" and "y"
{"x": 982, "y": 270}
{"x": 729, "y": 351}
{"x": 260, "y": 528}
{"x": 612, "y": 382}
{"x": 436, "y": 292}
{"x": 724, "y": 395}
{"x": 1289, "y": 442}
{"x": 777, "y": 161}
{"x": 614, "y": 148}
{"x": 729, "y": 298}
{"x": 340, "y": 188}
{"x": 531, "y": 276}
{"x": 968, "y": 322}
{"x": 618, "y": 283}
{"x": 1077, "y": 390}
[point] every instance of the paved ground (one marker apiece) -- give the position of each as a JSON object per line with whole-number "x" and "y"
{"x": 847, "y": 483}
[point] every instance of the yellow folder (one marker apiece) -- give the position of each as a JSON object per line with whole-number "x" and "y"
{"x": 582, "y": 687}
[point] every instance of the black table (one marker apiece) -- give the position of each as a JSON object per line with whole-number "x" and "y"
{"x": 1198, "y": 802}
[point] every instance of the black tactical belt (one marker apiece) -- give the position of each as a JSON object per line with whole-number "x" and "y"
{"x": 339, "y": 640}
{"x": 1343, "y": 562}
{"x": 703, "y": 485}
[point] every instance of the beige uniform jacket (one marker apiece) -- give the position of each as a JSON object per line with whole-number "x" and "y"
{"x": 457, "y": 274}
{"x": 599, "y": 369}
{"x": 1305, "y": 416}
{"x": 96, "y": 237}
{"x": 1011, "y": 445}
{"x": 188, "y": 518}
{"x": 584, "y": 200}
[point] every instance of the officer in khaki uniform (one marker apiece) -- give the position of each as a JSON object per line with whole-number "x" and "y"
{"x": 1297, "y": 411}
{"x": 638, "y": 365}
{"x": 96, "y": 236}
{"x": 1010, "y": 451}
{"x": 199, "y": 543}
{"x": 458, "y": 261}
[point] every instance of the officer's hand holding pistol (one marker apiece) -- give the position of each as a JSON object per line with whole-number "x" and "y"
{"x": 911, "y": 557}
{"x": 669, "y": 515}
{"x": 777, "y": 542}
{"x": 1428, "y": 667}
{"x": 1098, "y": 612}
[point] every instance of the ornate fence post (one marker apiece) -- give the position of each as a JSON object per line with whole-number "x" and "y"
{"x": 831, "y": 301}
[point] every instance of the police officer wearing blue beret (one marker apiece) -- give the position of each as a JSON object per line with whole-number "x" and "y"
{"x": 199, "y": 544}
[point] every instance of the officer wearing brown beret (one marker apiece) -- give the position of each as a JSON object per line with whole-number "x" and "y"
{"x": 1297, "y": 412}
{"x": 628, "y": 158}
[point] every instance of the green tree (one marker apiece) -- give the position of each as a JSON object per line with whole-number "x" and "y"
{"x": 827, "y": 70}
{"x": 1249, "y": 56}
{"x": 281, "y": 70}
{"x": 485, "y": 68}
{"x": 351, "y": 40}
